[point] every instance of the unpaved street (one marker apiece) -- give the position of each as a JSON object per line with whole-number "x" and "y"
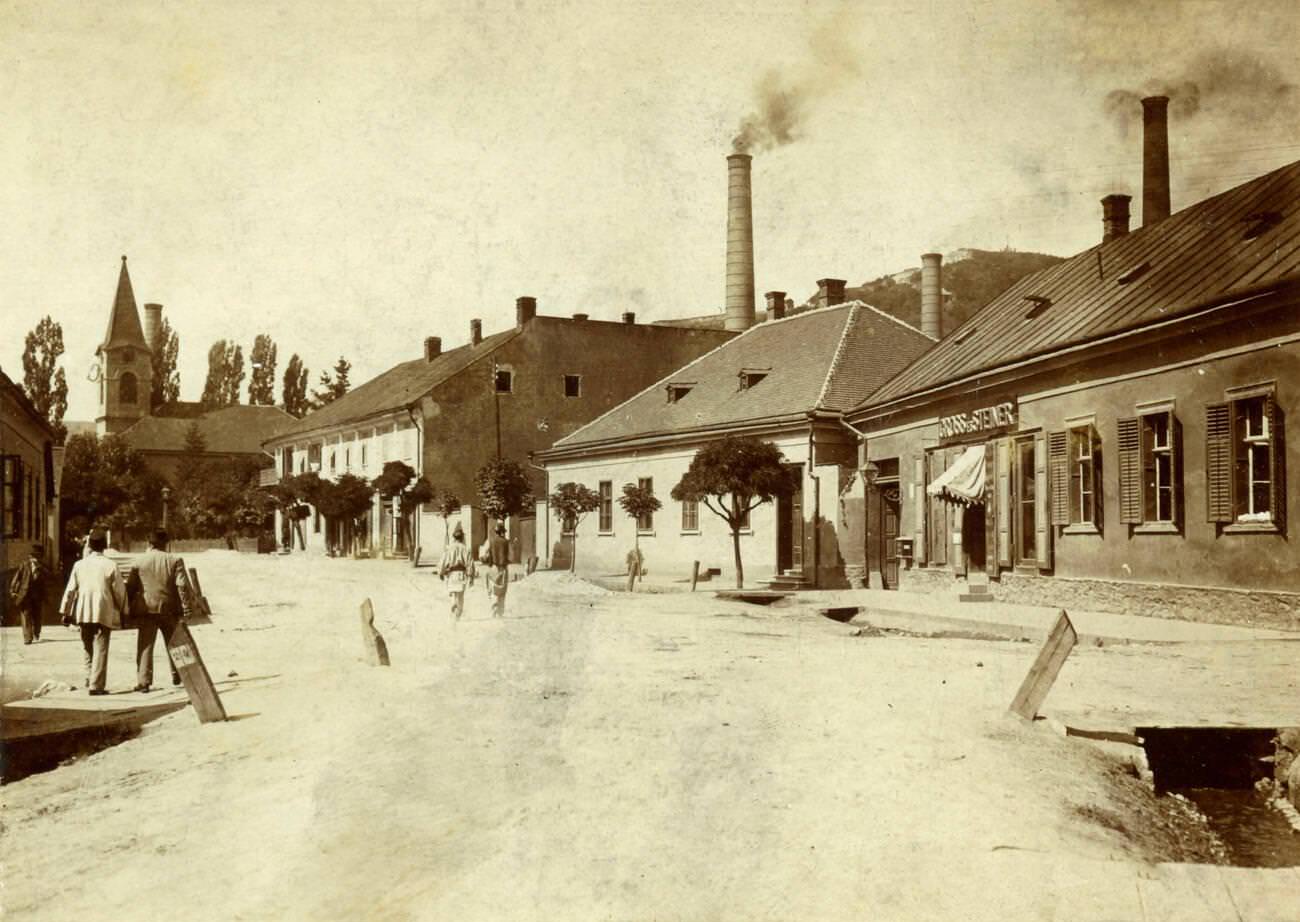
{"x": 592, "y": 756}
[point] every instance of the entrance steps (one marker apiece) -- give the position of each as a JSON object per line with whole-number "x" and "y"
{"x": 787, "y": 581}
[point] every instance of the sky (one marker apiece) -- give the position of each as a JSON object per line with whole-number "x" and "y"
{"x": 350, "y": 177}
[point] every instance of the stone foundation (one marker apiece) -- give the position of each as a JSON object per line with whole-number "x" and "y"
{"x": 1245, "y": 607}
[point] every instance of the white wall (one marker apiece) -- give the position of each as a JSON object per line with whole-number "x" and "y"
{"x": 668, "y": 550}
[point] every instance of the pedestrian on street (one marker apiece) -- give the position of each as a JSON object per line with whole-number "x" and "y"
{"x": 166, "y": 589}
{"x": 96, "y": 598}
{"x": 27, "y": 592}
{"x": 499, "y": 552}
{"x": 456, "y": 570}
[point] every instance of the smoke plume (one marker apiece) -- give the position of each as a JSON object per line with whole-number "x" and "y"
{"x": 784, "y": 98}
{"x": 1230, "y": 83}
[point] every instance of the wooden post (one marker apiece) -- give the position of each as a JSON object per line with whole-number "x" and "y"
{"x": 1047, "y": 666}
{"x": 695, "y": 574}
{"x": 532, "y": 565}
{"x": 198, "y": 684}
{"x": 376, "y": 649}
{"x": 203, "y": 607}
{"x": 415, "y": 557}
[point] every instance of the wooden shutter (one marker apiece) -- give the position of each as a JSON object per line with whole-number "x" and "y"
{"x": 1218, "y": 463}
{"x": 920, "y": 505}
{"x": 1042, "y": 521}
{"x": 991, "y": 509}
{"x": 938, "y": 514}
{"x": 1058, "y": 452}
{"x": 1098, "y": 493}
{"x": 1004, "y": 503}
{"x": 1277, "y": 452}
{"x": 1130, "y": 471}
{"x": 1176, "y": 466}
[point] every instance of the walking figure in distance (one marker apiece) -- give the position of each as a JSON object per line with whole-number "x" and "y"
{"x": 456, "y": 570}
{"x": 97, "y": 596}
{"x": 499, "y": 552}
{"x": 27, "y": 591}
{"x": 167, "y": 595}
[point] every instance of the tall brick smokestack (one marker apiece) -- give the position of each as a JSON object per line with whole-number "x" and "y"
{"x": 1155, "y": 159}
{"x": 740, "y": 244}
{"x": 152, "y": 324}
{"x": 932, "y": 295}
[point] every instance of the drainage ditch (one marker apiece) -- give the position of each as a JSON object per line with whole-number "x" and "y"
{"x": 1233, "y": 777}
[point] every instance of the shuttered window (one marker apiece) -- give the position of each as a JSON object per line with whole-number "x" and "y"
{"x": 1074, "y": 460}
{"x": 13, "y": 496}
{"x": 1004, "y": 502}
{"x": 1129, "y": 445}
{"x": 920, "y": 506}
{"x": 1150, "y": 469}
{"x": 1244, "y": 447}
{"x": 606, "y": 513}
{"x": 1042, "y": 522}
{"x": 1058, "y": 462}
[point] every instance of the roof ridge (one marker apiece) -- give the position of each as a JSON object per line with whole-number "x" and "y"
{"x": 898, "y": 320}
{"x": 849, "y": 325}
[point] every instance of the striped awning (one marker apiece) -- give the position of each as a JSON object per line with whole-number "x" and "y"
{"x": 963, "y": 481}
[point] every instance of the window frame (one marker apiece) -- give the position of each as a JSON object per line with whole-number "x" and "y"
{"x": 645, "y": 524}
{"x": 577, "y": 388}
{"x": 1076, "y": 489}
{"x": 605, "y": 511}
{"x": 690, "y": 516}
{"x": 509, "y": 379}
{"x": 1231, "y": 448}
{"x": 11, "y": 489}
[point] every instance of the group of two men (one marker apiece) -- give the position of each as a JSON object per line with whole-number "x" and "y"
{"x": 457, "y": 567}
{"x": 97, "y": 597}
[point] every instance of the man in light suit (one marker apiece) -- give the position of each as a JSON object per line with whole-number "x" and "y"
{"x": 166, "y": 589}
{"x": 95, "y": 599}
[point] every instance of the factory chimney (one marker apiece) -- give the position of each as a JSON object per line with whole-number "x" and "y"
{"x": 1114, "y": 216}
{"x": 152, "y": 325}
{"x": 1155, "y": 159}
{"x": 932, "y": 295}
{"x": 740, "y": 245}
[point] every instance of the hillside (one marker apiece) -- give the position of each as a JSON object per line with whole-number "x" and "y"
{"x": 971, "y": 279}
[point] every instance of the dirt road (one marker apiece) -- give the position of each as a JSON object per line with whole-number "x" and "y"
{"x": 592, "y": 756}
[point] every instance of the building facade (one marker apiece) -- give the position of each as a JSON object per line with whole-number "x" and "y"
{"x": 506, "y": 395}
{"x": 785, "y": 381}
{"x": 1109, "y": 433}
{"x": 29, "y": 506}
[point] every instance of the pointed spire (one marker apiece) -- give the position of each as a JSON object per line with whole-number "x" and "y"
{"x": 124, "y": 322}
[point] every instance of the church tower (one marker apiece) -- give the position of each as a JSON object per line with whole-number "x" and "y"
{"x": 125, "y": 364}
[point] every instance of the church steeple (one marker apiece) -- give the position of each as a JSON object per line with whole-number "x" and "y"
{"x": 124, "y": 322}
{"x": 125, "y": 366}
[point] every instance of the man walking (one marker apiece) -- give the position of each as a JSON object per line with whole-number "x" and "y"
{"x": 27, "y": 590}
{"x": 456, "y": 569}
{"x": 167, "y": 593}
{"x": 96, "y": 595}
{"x": 499, "y": 554}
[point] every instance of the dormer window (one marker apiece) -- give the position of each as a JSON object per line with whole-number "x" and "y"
{"x": 1260, "y": 221}
{"x": 962, "y": 337}
{"x": 1038, "y": 304}
{"x": 751, "y": 376}
{"x": 677, "y": 391}
{"x": 1132, "y": 275}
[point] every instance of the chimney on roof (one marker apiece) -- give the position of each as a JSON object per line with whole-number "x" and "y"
{"x": 775, "y": 305}
{"x": 740, "y": 244}
{"x": 152, "y": 325}
{"x": 830, "y": 292}
{"x": 932, "y": 295}
{"x": 432, "y": 347}
{"x": 581, "y": 316}
{"x": 525, "y": 310}
{"x": 1155, "y": 159}
{"x": 1114, "y": 216}
{"x": 475, "y": 332}
{"x": 629, "y": 317}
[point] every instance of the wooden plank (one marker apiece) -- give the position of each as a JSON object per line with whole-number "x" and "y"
{"x": 194, "y": 674}
{"x": 202, "y": 601}
{"x": 372, "y": 640}
{"x": 1042, "y": 674}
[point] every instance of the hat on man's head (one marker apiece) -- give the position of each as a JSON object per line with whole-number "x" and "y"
{"x": 159, "y": 538}
{"x": 501, "y": 528}
{"x": 38, "y": 550}
{"x": 458, "y": 532}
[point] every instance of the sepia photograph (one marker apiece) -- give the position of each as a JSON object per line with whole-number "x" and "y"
{"x": 650, "y": 461}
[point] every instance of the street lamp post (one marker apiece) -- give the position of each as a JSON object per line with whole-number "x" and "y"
{"x": 166, "y": 497}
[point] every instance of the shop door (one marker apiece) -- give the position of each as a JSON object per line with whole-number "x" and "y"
{"x": 889, "y": 519}
{"x": 789, "y": 530}
{"x": 973, "y": 538}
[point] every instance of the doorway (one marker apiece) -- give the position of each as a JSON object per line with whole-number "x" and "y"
{"x": 973, "y": 538}
{"x": 789, "y": 528}
{"x": 889, "y": 520}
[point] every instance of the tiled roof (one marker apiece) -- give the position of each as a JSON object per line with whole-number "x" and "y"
{"x": 124, "y": 320}
{"x": 1239, "y": 240}
{"x": 827, "y": 359}
{"x": 398, "y": 387}
{"x": 20, "y": 396}
{"x": 235, "y": 429}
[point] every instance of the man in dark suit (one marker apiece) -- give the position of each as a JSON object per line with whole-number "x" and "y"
{"x": 499, "y": 558}
{"x": 27, "y": 590}
{"x": 166, "y": 589}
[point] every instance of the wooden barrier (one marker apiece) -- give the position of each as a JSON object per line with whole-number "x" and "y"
{"x": 372, "y": 640}
{"x": 1047, "y": 666}
{"x": 194, "y": 674}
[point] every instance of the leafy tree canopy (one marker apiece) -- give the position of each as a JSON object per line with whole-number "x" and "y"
{"x": 166, "y": 351}
{"x": 43, "y": 380}
{"x": 572, "y": 502}
{"x": 393, "y": 479}
{"x": 293, "y": 394}
{"x": 332, "y": 387}
{"x": 225, "y": 375}
{"x": 503, "y": 489}
{"x": 261, "y": 385}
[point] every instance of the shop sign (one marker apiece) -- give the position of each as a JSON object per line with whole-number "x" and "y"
{"x": 985, "y": 419}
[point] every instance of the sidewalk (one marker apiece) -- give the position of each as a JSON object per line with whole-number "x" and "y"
{"x": 915, "y": 611}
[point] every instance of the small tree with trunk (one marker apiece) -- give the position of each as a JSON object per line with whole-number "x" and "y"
{"x": 732, "y": 477}
{"x": 343, "y": 502}
{"x": 638, "y": 502}
{"x": 572, "y": 502}
{"x": 43, "y": 380}
{"x": 503, "y": 489}
{"x": 448, "y": 505}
